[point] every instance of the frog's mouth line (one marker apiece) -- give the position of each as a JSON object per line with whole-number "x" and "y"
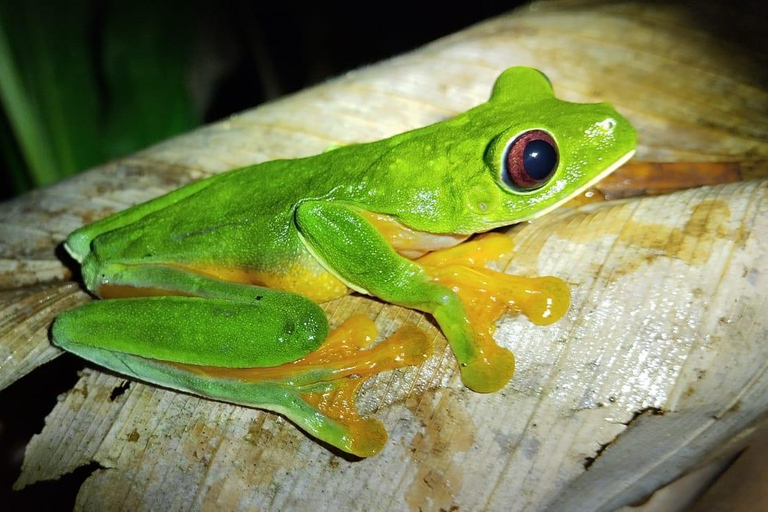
{"x": 621, "y": 161}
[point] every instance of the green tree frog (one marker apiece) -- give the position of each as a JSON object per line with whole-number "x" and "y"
{"x": 213, "y": 289}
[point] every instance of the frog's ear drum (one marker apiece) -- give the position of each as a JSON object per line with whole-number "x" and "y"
{"x": 521, "y": 84}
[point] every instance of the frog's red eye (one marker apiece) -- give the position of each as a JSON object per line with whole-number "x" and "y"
{"x": 530, "y": 161}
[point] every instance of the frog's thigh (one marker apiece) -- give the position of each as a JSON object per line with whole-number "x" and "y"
{"x": 350, "y": 246}
{"x": 193, "y": 330}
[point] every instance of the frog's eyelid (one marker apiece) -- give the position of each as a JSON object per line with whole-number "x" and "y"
{"x": 546, "y": 78}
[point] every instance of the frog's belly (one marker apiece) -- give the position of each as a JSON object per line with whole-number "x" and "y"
{"x": 304, "y": 276}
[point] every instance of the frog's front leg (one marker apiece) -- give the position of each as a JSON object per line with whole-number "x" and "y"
{"x": 241, "y": 344}
{"x": 442, "y": 283}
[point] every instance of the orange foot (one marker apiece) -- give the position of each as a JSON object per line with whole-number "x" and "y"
{"x": 487, "y": 294}
{"x": 328, "y": 379}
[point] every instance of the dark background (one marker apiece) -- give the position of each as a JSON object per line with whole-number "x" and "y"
{"x": 102, "y": 79}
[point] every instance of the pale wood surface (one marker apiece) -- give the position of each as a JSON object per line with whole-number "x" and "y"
{"x": 668, "y": 315}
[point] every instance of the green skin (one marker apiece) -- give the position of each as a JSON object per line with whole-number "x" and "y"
{"x": 442, "y": 179}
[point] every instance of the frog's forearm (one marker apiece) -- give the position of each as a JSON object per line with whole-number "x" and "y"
{"x": 370, "y": 264}
{"x": 360, "y": 255}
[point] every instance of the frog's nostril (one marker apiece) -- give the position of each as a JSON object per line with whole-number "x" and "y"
{"x": 607, "y": 124}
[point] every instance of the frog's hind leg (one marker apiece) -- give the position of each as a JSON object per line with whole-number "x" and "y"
{"x": 241, "y": 344}
{"x": 318, "y": 391}
{"x": 254, "y": 356}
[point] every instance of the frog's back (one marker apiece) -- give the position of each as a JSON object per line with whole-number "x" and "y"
{"x": 245, "y": 218}
{"x": 240, "y": 219}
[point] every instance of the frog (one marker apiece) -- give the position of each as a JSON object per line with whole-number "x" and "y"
{"x": 215, "y": 289}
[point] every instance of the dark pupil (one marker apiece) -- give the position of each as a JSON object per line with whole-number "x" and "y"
{"x": 539, "y": 158}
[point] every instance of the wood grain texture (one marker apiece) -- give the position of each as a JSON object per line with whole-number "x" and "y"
{"x": 658, "y": 366}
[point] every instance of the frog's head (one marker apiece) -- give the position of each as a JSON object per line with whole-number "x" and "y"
{"x": 539, "y": 151}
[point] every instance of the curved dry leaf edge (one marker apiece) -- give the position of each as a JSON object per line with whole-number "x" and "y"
{"x": 654, "y": 467}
